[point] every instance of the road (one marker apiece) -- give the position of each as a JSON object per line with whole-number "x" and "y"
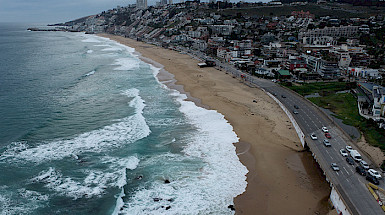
{"x": 350, "y": 185}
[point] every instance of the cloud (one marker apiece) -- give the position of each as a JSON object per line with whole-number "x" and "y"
{"x": 51, "y": 11}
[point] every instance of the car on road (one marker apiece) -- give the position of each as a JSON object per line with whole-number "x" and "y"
{"x": 274, "y": 94}
{"x": 324, "y": 129}
{"x": 327, "y": 135}
{"x": 372, "y": 179}
{"x": 313, "y": 137}
{"x": 295, "y": 112}
{"x": 327, "y": 143}
{"x": 356, "y": 155}
{"x": 335, "y": 167}
{"x": 374, "y": 173}
{"x": 283, "y": 96}
{"x": 343, "y": 152}
{"x": 350, "y": 160}
{"x": 360, "y": 170}
{"x": 364, "y": 164}
{"x": 296, "y": 107}
{"x": 349, "y": 148}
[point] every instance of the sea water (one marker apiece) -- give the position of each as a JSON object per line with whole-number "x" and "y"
{"x": 87, "y": 128}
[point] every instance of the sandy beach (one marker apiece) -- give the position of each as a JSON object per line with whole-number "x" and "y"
{"x": 282, "y": 178}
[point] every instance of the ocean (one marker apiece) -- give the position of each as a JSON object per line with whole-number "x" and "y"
{"x": 87, "y": 128}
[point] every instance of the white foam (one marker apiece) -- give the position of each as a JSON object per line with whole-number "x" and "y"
{"x": 208, "y": 191}
{"x": 21, "y": 202}
{"x": 127, "y": 130}
{"x": 112, "y": 49}
{"x": 32, "y": 195}
{"x": 54, "y": 180}
{"x": 90, "y": 73}
{"x": 91, "y": 40}
{"x": 119, "y": 202}
{"x": 126, "y": 63}
{"x": 103, "y": 45}
{"x": 94, "y": 184}
{"x": 90, "y": 51}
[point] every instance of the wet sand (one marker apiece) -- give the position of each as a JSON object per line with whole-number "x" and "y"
{"x": 282, "y": 178}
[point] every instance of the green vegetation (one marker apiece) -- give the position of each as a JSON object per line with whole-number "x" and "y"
{"x": 344, "y": 105}
{"x": 323, "y": 88}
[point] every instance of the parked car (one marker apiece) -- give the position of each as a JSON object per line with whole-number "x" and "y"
{"x": 350, "y": 160}
{"x": 327, "y": 135}
{"x": 313, "y": 137}
{"x": 274, "y": 94}
{"x": 324, "y": 129}
{"x": 372, "y": 179}
{"x": 374, "y": 173}
{"x": 349, "y": 148}
{"x": 327, "y": 143}
{"x": 343, "y": 152}
{"x": 295, "y": 112}
{"x": 335, "y": 167}
{"x": 283, "y": 96}
{"x": 296, "y": 107}
{"x": 360, "y": 170}
{"x": 364, "y": 164}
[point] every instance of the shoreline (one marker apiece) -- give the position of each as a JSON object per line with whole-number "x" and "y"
{"x": 279, "y": 173}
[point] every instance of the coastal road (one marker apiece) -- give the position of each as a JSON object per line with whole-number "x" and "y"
{"x": 350, "y": 185}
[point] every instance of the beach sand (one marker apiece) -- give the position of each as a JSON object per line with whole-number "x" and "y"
{"x": 282, "y": 178}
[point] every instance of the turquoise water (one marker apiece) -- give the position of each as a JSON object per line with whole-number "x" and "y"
{"x": 87, "y": 128}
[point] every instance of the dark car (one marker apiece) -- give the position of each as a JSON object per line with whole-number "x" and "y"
{"x": 350, "y": 160}
{"x": 295, "y": 112}
{"x": 296, "y": 107}
{"x": 327, "y": 135}
{"x": 283, "y": 96}
{"x": 372, "y": 179}
{"x": 274, "y": 94}
{"x": 361, "y": 170}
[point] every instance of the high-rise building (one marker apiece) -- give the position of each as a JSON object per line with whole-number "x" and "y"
{"x": 142, "y": 4}
{"x": 169, "y": 1}
{"x": 163, "y": 2}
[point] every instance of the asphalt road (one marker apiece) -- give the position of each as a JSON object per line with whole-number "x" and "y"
{"x": 350, "y": 185}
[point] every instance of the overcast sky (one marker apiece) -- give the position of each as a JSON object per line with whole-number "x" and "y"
{"x": 56, "y": 11}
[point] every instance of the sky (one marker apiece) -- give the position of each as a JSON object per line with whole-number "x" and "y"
{"x": 54, "y": 11}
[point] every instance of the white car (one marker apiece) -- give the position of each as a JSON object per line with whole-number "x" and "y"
{"x": 324, "y": 129}
{"x": 343, "y": 152}
{"x": 327, "y": 143}
{"x": 335, "y": 167}
{"x": 374, "y": 173}
{"x": 364, "y": 164}
{"x": 313, "y": 137}
{"x": 349, "y": 148}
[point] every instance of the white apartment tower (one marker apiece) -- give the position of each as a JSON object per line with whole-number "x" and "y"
{"x": 142, "y": 4}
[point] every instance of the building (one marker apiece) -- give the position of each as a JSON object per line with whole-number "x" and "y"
{"x": 363, "y": 72}
{"x": 319, "y": 40}
{"x": 376, "y": 96}
{"x": 141, "y": 4}
{"x": 329, "y": 69}
{"x": 335, "y": 32}
{"x": 295, "y": 64}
